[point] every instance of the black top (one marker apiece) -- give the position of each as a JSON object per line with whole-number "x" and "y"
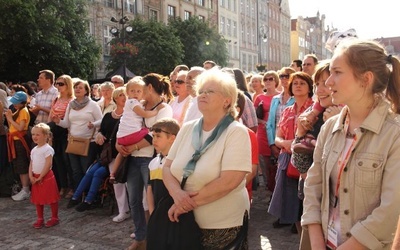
{"x": 109, "y": 127}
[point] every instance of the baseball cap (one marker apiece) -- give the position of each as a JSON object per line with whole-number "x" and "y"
{"x": 19, "y": 97}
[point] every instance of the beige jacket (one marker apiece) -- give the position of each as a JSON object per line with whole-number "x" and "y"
{"x": 370, "y": 183}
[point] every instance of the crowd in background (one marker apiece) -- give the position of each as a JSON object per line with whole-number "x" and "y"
{"x": 260, "y": 127}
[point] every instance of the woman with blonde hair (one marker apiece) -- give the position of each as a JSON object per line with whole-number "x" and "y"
{"x": 62, "y": 170}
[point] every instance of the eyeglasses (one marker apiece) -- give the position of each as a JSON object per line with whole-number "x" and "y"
{"x": 284, "y": 76}
{"x": 180, "y": 81}
{"x": 307, "y": 64}
{"x": 206, "y": 92}
{"x": 268, "y": 79}
{"x": 60, "y": 84}
{"x": 159, "y": 130}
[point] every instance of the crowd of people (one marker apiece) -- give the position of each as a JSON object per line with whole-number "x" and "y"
{"x": 322, "y": 135}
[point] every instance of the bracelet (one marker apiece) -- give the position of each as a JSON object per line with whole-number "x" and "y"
{"x": 136, "y": 147}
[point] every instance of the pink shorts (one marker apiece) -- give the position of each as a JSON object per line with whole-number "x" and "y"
{"x": 133, "y": 138}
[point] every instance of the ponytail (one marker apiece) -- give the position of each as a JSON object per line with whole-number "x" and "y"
{"x": 393, "y": 88}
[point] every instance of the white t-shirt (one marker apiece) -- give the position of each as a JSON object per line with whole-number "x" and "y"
{"x": 180, "y": 108}
{"x": 193, "y": 111}
{"x": 38, "y": 157}
{"x": 130, "y": 121}
{"x": 232, "y": 151}
{"x": 165, "y": 112}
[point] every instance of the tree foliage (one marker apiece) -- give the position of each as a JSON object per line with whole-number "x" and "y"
{"x": 45, "y": 34}
{"x": 161, "y": 47}
{"x": 159, "y": 50}
{"x": 201, "y": 42}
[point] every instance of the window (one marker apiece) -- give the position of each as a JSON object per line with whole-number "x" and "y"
{"x": 107, "y": 37}
{"x": 202, "y": 18}
{"x": 91, "y": 28}
{"x": 228, "y": 27}
{"x": 171, "y": 11}
{"x": 153, "y": 15}
{"x": 222, "y": 25}
{"x": 109, "y": 3}
{"x": 187, "y": 14}
{"x": 234, "y": 29}
{"x": 200, "y": 2}
{"x": 129, "y": 7}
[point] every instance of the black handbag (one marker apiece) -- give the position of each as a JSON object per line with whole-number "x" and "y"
{"x": 260, "y": 111}
{"x": 163, "y": 234}
{"x": 122, "y": 172}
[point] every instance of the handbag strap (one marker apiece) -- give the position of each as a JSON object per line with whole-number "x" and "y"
{"x": 114, "y": 130}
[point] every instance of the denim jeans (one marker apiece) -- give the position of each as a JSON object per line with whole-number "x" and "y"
{"x": 138, "y": 176}
{"x": 91, "y": 181}
{"x": 80, "y": 164}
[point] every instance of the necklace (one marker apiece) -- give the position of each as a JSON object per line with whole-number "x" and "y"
{"x": 114, "y": 113}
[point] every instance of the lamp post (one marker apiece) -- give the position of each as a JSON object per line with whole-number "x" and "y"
{"x": 311, "y": 30}
{"x": 263, "y": 38}
{"x": 120, "y": 33}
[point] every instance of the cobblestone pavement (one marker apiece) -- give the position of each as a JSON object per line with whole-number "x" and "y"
{"x": 94, "y": 229}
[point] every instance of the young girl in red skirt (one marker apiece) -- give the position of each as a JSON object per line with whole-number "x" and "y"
{"x": 44, "y": 189}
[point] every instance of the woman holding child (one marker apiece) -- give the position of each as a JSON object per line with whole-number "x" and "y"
{"x": 157, "y": 87}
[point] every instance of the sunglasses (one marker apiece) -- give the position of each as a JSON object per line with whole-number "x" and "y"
{"x": 60, "y": 84}
{"x": 159, "y": 130}
{"x": 284, "y": 76}
{"x": 180, "y": 81}
{"x": 268, "y": 79}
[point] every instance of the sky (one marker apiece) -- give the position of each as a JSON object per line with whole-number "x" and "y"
{"x": 371, "y": 19}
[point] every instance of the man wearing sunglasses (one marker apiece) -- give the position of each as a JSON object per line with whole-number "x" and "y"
{"x": 309, "y": 63}
{"x": 118, "y": 81}
{"x": 45, "y": 97}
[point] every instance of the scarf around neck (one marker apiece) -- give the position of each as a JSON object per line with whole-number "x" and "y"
{"x": 75, "y": 105}
{"x": 197, "y": 138}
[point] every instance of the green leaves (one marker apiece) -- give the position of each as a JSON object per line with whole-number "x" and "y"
{"x": 161, "y": 47}
{"x": 45, "y": 34}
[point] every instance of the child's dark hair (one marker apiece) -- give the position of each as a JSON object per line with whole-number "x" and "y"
{"x": 170, "y": 125}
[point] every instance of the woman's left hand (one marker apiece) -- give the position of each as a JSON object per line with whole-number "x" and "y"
{"x": 174, "y": 212}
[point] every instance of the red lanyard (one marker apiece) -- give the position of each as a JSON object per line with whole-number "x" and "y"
{"x": 343, "y": 161}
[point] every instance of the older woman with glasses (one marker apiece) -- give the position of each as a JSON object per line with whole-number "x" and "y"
{"x": 62, "y": 171}
{"x": 106, "y": 102}
{"x": 215, "y": 191}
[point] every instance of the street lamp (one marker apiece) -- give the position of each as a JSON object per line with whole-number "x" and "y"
{"x": 311, "y": 30}
{"x": 263, "y": 37}
{"x": 116, "y": 32}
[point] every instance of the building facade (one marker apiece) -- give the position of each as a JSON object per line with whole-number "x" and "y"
{"x": 257, "y": 32}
